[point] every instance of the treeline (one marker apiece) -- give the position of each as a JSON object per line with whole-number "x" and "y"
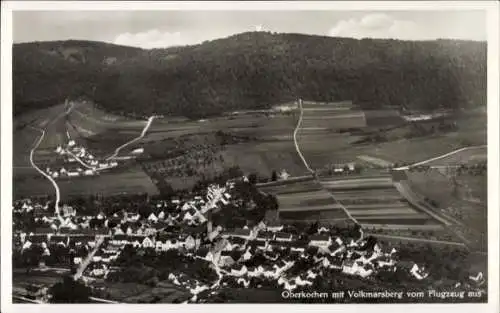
{"x": 253, "y": 71}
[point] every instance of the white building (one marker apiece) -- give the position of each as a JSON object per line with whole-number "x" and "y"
{"x": 89, "y": 172}
{"x": 321, "y": 241}
{"x": 138, "y": 151}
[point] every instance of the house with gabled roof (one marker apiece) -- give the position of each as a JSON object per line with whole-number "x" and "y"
{"x": 274, "y": 226}
{"x": 239, "y": 232}
{"x": 281, "y": 236}
{"x": 321, "y": 241}
{"x": 265, "y": 236}
{"x": 152, "y": 218}
{"x": 148, "y": 242}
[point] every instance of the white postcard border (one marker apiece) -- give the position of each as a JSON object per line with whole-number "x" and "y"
{"x": 493, "y": 148}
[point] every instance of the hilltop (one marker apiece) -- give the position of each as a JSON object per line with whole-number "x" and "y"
{"x": 252, "y": 71}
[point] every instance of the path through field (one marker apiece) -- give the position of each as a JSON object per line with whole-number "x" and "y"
{"x": 440, "y": 157}
{"x": 297, "y": 128}
{"x": 56, "y": 187}
{"x": 117, "y": 150}
{"x": 32, "y": 153}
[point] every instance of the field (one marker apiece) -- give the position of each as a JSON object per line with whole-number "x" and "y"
{"x": 304, "y": 200}
{"x": 182, "y": 152}
{"x": 317, "y": 136}
{"x": 375, "y": 201}
{"x": 330, "y": 133}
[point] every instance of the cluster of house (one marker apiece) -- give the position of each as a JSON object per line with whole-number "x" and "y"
{"x": 186, "y": 226}
{"x": 79, "y": 161}
{"x": 342, "y": 168}
{"x": 168, "y": 227}
{"x": 78, "y": 244}
{"x": 236, "y": 248}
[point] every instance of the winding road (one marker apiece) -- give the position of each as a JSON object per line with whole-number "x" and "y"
{"x": 32, "y": 153}
{"x": 56, "y": 187}
{"x": 402, "y": 168}
{"x": 143, "y": 133}
{"x": 295, "y": 132}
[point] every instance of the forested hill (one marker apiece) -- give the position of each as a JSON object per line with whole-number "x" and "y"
{"x": 252, "y": 71}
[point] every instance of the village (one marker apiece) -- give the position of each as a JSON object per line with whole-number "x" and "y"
{"x": 241, "y": 257}
{"x": 77, "y": 161}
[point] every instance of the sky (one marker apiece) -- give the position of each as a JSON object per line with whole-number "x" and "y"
{"x": 157, "y": 29}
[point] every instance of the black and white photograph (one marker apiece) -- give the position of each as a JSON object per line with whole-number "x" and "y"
{"x": 266, "y": 155}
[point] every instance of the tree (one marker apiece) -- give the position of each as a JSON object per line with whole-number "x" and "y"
{"x": 252, "y": 178}
{"x": 69, "y": 291}
{"x": 274, "y": 176}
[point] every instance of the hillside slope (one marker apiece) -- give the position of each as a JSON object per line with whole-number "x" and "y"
{"x": 252, "y": 71}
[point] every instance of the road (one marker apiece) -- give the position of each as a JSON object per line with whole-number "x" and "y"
{"x": 32, "y": 153}
{"x": 461, "y": 244}
{"x": 414, "y": 199}
{"x": 295, "y": 142}
{"x": 88, "y": 259}
{"x": 148, "y": 124}
{"x": 100, "y": 300}
{"x": 440, "y": 157}
{"x": 295, "y": 132}
{"x": 56, "y": 187}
